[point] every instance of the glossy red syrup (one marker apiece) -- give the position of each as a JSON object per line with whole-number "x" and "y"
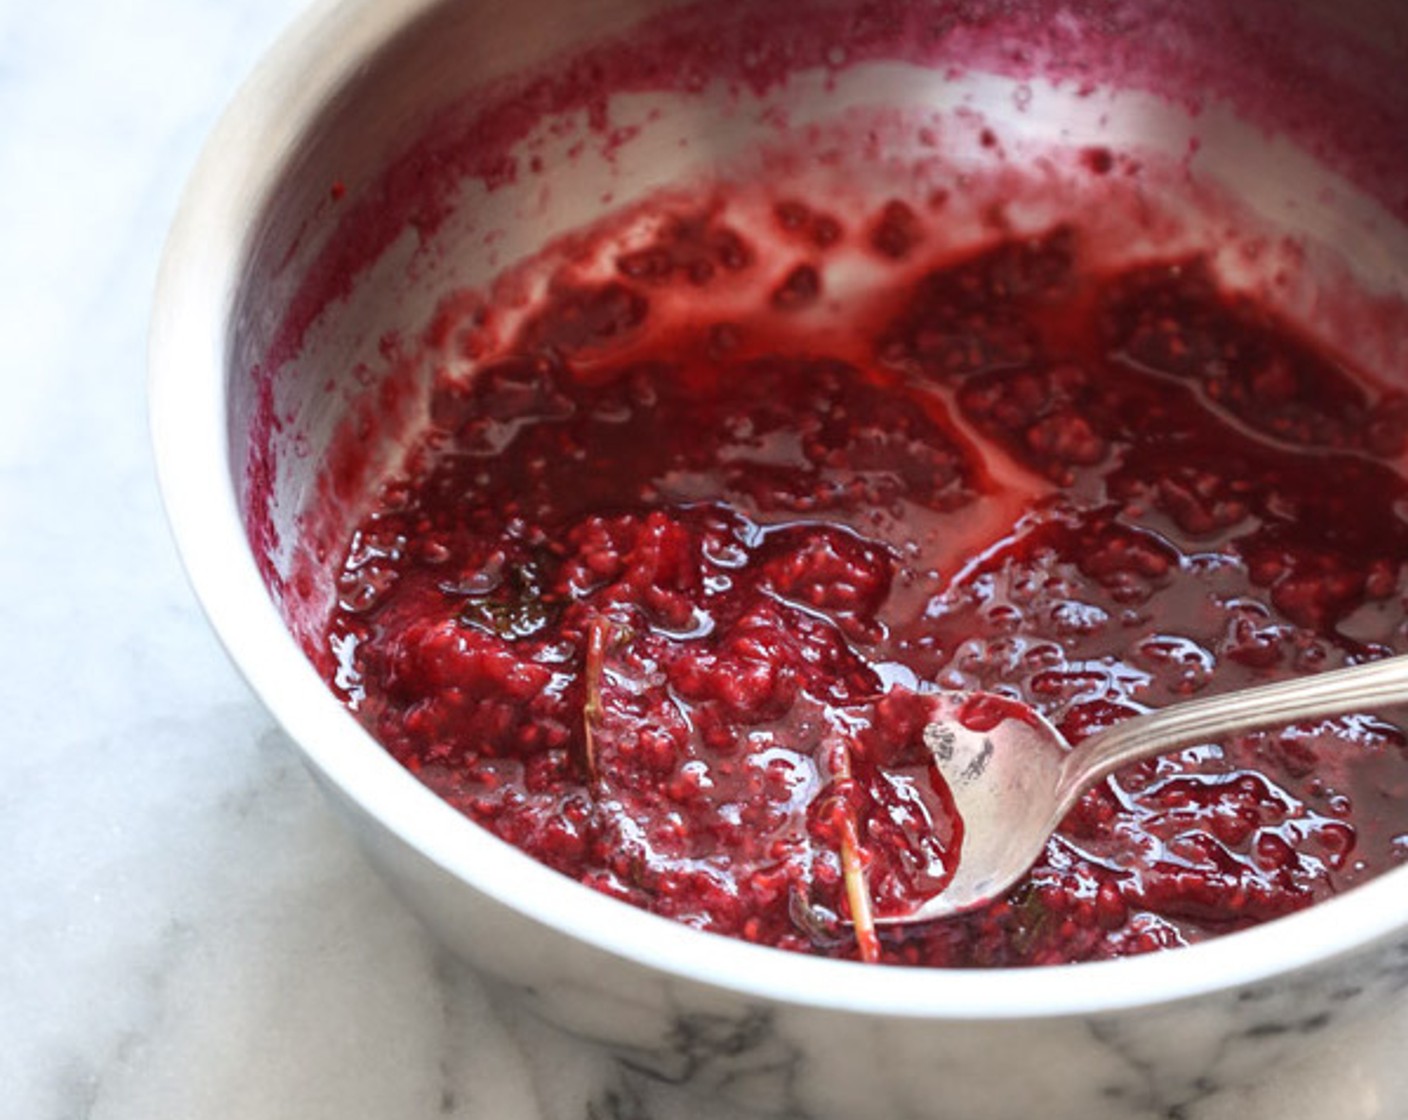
{"x": 663, "y": 592}
{"x": 1307, "y": 81}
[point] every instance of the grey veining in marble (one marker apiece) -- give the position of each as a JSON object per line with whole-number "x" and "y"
{"x": 187, "y": 930}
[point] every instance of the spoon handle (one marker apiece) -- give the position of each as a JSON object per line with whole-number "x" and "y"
{"x": 1376, "y": 684}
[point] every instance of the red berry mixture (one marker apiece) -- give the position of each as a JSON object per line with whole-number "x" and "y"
{"x": 666, "y": 592}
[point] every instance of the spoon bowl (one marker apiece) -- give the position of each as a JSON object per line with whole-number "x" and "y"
{"x": 1013, "y": 777}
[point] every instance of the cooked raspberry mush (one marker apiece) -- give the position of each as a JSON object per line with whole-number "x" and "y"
{"x": 665, "y": 596}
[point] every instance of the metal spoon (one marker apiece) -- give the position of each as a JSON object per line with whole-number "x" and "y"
{"x": 1013, "y": 777}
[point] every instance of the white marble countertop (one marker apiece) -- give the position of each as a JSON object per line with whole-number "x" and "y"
{"x": 187, "y": 931}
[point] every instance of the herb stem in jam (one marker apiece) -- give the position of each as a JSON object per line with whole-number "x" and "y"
{"x": 598, "y": 631}
{"x": 853, "y": 866}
